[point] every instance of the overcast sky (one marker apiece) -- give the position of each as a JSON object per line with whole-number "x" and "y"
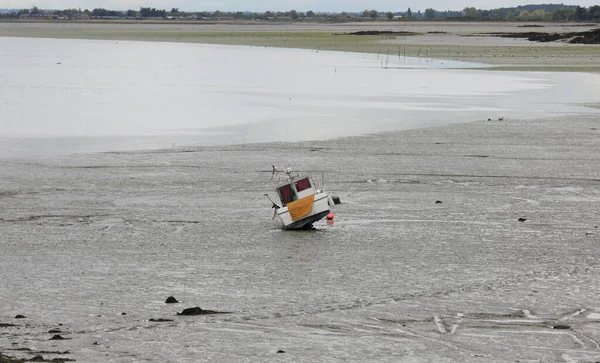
{"x": 279, "y": 5}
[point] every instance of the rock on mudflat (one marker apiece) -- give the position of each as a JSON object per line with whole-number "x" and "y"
{"x": 522, "y": 219}
{"x": 199, "y": 311}
{"x": 20, "y": 316}
{"x": 171, "y": 300}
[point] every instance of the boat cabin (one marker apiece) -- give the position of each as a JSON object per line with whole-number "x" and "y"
{"x": 295, "y": 189}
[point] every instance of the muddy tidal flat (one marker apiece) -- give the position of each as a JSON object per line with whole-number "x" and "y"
{"x": 468, "y": 242}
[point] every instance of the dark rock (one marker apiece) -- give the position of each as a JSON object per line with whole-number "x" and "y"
{"x": 561, "y": 326}
{"x": 54, "y": 331}
{"x": 123, "y": 313}
{"x": 438, "y": 202}
{"x": 281, "y": 351}
{"x": 57, "y": 337}
{"x": 20, "y": 316}
{"x": 544, "y": 37}
{"x": 37, "y": 358}
{"x": 586, "y": 37}
{"x": 171, "y": 300}
{"x": 522, "y": 219}
{"x": 192, "y": 311}
{"x": 95, "y": 343}
{"x": 336, "y": 199}
{"x": 198, "y": 311}
{"x": 161, "y": 320}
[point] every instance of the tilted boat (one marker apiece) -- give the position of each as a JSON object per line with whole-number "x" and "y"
{"x": 300, "y": 203}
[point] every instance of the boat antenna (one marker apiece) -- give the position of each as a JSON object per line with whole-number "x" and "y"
{"x": 288, "y": 171}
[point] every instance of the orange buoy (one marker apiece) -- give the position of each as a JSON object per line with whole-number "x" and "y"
{"x": 330, "y": 215}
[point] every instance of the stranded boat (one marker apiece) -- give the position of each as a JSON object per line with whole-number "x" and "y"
{"x": 301, "y": 203}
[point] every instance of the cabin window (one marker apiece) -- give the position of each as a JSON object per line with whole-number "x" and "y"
{"x": 287, "y": 194}
{"x": 302, "y": 184}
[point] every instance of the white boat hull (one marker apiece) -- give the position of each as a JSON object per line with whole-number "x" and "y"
{"x": 320, "y": 209}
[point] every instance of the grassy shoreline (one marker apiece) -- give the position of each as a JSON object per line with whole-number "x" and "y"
{"x": 468, "y": 42}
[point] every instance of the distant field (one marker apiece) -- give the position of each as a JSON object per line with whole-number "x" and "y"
{"x": 455, "y": 41}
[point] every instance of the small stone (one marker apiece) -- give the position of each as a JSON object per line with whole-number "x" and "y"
{"x": 20, "y": 316}
{"x": 161, "y": 320}
{"x": 95, "y": 343}
{"x": 54, "y": 331}
{"x": 123, "y": 313}
{"x": 171, "y": 300}
{"x": 438, "y": 202}
{"x": 336, "y": 199}
{"x": 37, "y": 358}
{"x": 57, "y": 337}
{"x": 522, "y": 219}
{"x": 561, "y": 326}
{"x": 281, "y": 351}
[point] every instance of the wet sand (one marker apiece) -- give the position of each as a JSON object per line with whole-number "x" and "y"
{"x": 505, "y": 268}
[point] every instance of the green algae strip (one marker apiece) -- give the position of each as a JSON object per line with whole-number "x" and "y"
{"x": 549, "y": 57}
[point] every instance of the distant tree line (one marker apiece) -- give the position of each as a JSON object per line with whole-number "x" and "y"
{"x": 521, "y": 13}
{"x": 548, "y": 12}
